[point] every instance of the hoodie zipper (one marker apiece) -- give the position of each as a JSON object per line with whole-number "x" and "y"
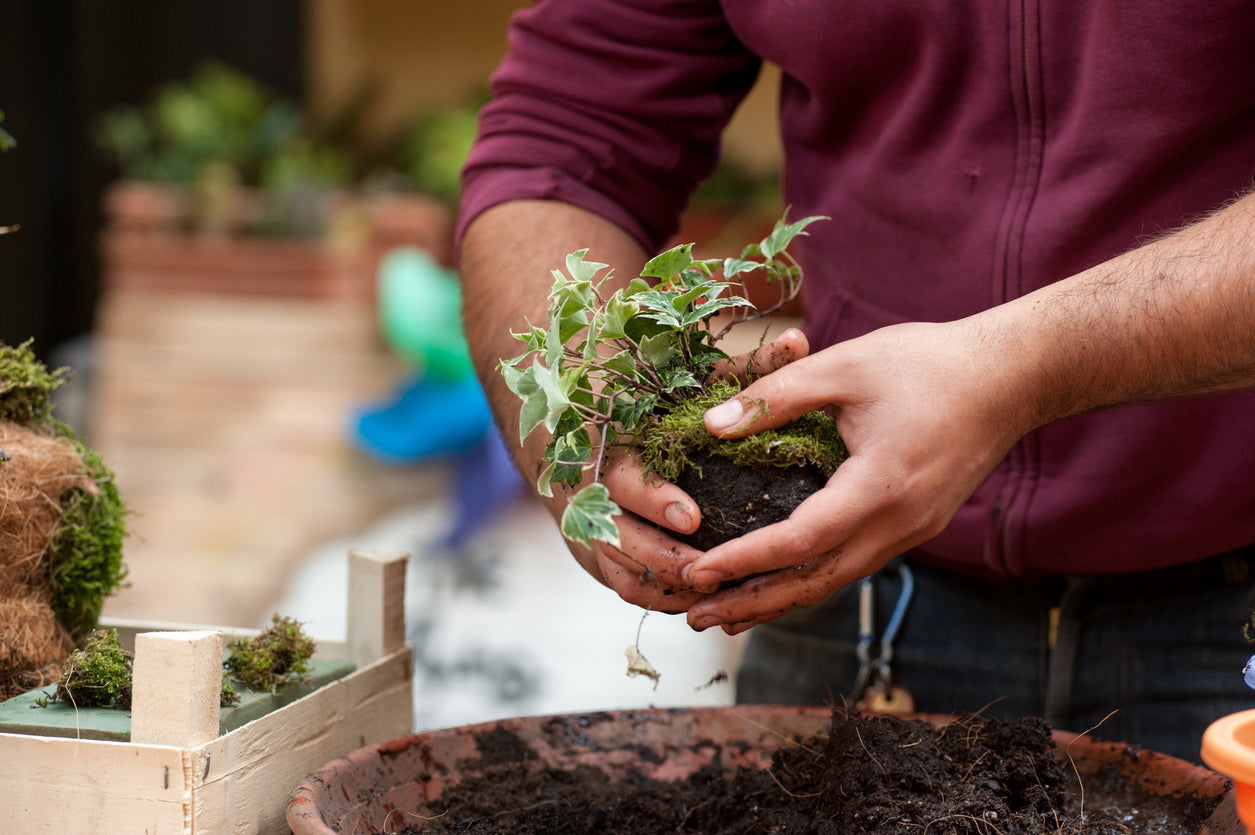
{"x": 1007, "y": 283}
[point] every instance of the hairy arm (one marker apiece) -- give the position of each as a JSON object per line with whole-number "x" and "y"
{"x": 928, "y": 410}
{"x": 1173, "y": 318}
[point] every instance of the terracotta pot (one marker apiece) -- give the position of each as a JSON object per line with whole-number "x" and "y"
{"x": 384, "y": 787}
{"x": 1229, "y": 747}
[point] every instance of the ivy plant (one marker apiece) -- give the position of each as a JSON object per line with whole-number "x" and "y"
{"x": 604, "y": 362}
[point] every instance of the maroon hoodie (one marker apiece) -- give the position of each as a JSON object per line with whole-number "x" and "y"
{"x": 968, "y": 153}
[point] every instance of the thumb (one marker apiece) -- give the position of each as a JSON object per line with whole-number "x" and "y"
{"x": 767, "y": 403}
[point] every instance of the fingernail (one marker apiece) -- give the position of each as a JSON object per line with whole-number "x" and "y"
{"x": 725, "y": 415}
{"x": 701, "y": 579}
{"x": 704, "y": 622}
{"x": 678, "y": 518}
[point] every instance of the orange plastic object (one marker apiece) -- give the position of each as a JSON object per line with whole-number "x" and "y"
{"x": 1229, "y": 747}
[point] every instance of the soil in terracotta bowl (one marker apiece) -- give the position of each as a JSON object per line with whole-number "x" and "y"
{"x": 852, "y": 774}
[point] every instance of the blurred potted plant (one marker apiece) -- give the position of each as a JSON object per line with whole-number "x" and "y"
{"x": 213, "y": 142}
{"x": 228, "y": 187}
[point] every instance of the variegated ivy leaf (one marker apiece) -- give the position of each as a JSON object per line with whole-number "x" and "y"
{"x": 681, "y": 378}
{"x": 707, "y": 355}
{"x": 621, "y": 363}
{"x": 732, "y": 267}
{"x": 660, "y": 349}
{"x": 533, "y": 337}
{"x": 656, "y": 306}
{"x": 544, "y": 482}
{"x": 544, "y": 398}
{"x": 783, "y": 234}
{"x": 667, "y": 264}
{"x": 590, "y": 515}
{"x": 567, "y": 328}
{"x": 559, "y": 471}
{"x": 618, "y": 312}
{"x": 567, "y": 296}
{"x": 636, "y": 285}
{"x": 575, "y": 447}
{"x": 569, "y": 456}
{"x": 581, "y": 270}
{"x": 709, "y": 308}
{"x": 710, "y": 289}
{"x": 535, "y": 402}
{"x": 628, "y": 411}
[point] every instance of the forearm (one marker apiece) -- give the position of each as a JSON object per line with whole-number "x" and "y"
{"x": 508, "y": 254}
{"x": 1173, "y": 318}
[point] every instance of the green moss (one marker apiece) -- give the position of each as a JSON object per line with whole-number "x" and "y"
{"x": 86, "y": 550}
{"x": 273, "y": 658}
{"x": 99, "y": 674}
{"x": 229, "y": 695}
{"x": 26, "y": 386}
{"x": 669, "y": 441}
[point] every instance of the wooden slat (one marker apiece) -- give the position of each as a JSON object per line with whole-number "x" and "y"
{"x": 67, "y": 786}
{"x": 376, "y": 605}
{"x": 243, "y": 779}
{"x": 177, "y": 688}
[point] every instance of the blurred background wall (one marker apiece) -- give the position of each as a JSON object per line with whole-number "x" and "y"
{"x": 63, "y": 63}
{"x": 222, "y": 397}
{"x": 66, "y": 61}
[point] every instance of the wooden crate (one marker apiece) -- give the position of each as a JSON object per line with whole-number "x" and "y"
{"x": 176, "y": 775}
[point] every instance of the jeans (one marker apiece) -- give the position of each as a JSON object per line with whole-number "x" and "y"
{"x": 1162, "y": 649}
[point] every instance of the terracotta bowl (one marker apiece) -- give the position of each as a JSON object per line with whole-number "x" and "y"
{"x": 385, "y": 787}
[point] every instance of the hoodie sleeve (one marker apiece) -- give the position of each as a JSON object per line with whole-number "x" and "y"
{"x": 616, "y": 106}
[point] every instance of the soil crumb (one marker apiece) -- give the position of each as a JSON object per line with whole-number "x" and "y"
{"x": 865, "y": 774}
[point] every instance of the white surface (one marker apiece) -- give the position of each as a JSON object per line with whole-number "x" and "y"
{"x": 512, "y": 626}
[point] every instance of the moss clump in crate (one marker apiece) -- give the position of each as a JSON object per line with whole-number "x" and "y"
{"x": 272, "y": 659}
{"x": 93, "y": 699}
{"x": 62, "y": 525}
{"x": 100, "y": 673}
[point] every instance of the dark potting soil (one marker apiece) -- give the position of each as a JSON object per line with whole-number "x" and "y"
{"x": 880, "y": 775}
{"x": 735, "y": 500}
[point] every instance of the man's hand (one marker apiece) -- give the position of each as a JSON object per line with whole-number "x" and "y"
{"x": 928, "y": 410}
{"x": 925, "y": 426}
{"x": 507, "y": 255}
{"x": 648, "y": 569}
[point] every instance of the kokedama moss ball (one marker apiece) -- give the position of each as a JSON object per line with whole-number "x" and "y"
{"x": 744, "y": 484}
{"x": 36, "y": 470}
{"x": 32, "y": 645}
{"x": 62, "y": 524}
